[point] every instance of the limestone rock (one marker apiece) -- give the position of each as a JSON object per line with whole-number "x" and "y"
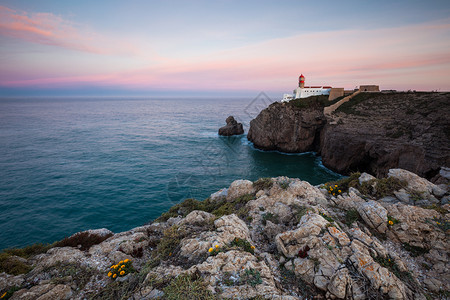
{"x": 197, "y": 217}
{"x": 364, "y": 177}
{"x": 232, "y": 127}
{"x": 219, "y": 194}
{"x": 374, "y": 215}
{"x": 239, "y": 188}
{"x": 415, "y": 182}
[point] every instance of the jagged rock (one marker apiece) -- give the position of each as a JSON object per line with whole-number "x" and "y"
{"x": 374, "y": 215}
{"x": 336, "y": 260}
{"x": 219, "y": 194}
{"x": 415, "y": 183}
{"x": 197, "y": 217}
{"x": 364, "y": 177}
{"x": 232, "y": 127}
{"x": 402, "y": 195}
{"x": 239, "y": 188}
{"x": 227, "y": 228}
{"x": 44, "y": 292}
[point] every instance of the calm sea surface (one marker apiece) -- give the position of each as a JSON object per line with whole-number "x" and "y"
{"x": 71, "y": 164}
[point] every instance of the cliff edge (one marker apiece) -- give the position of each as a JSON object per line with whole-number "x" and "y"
{"x": 372, "y": 132}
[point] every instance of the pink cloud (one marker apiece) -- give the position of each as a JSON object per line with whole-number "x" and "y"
{"x": 50, "y": 29}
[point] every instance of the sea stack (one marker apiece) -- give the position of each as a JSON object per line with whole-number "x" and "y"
{"x": 232, "y": 127}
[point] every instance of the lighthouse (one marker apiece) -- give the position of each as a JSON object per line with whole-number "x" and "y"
{"x": 306, "y": 91}
{"x": 301, "y": 81}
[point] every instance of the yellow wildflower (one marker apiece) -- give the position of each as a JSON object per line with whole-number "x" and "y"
{"x": 3, "y": 296}
{"x": 122, "y": 273}
{"x": 115, "y": 275}
{"x": 109, "y": 274}
{"x": 339, "y": 191}
{"x": 115, "y": 266}
{"x": 120, "y": 262}
{"x": 210, "y": 250}
{"x": 253, "y": 247}
{"x": 334, "y": 194}
{"x": 126, "y": 260}
{"x": 112, "y": 267}
{"x": 390, "y": 222}
{"x": 335, "y": 185}
{"x": 217, "y": 246}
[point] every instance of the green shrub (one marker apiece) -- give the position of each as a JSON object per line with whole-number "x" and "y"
{"x": 251, "y": 277}
{"x": 84, "y": 239}
{"x": 270, "y": 217}
{"x": 187, "y": 287}
{"x": 243, "y": 244}
{"x": 415, "y": 250}
{"x": 263, "y": 184}
{"x": 13, "y": 265}
{"x": 29, "y": 251}
{"x": 345, "y": 183}
{"x": 351, "y": 216}
{"x": 284, "y": 184}
{"x": 170, "y": 241}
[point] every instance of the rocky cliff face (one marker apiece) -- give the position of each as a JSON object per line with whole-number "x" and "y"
{"x": 373, "y": 132}
{"x": 287, "y": 127}
{"x": 276, "y": 238}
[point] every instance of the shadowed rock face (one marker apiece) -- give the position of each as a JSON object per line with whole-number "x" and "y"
{"x": 286, "y": 128}
{"x": 232, "y": 127}
{"x": 371, "y": 133}
{"x": 383, "y": 131}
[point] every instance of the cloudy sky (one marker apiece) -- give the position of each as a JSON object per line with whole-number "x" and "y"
{"x": 221, "y": 47}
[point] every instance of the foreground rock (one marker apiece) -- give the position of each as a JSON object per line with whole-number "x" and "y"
{"x": 276, "y": 238}
{"x": 232, "y": 127}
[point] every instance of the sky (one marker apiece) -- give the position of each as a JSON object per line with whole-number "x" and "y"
{"x": 221, "y": 47}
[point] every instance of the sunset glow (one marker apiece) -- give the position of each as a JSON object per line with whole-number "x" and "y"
{"x": 225, "y": 46}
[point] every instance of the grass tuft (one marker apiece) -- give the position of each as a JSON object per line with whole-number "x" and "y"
{"x": 187, "y": 287}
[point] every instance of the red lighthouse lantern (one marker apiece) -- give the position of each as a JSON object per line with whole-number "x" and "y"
{"x": 301, "y": 81}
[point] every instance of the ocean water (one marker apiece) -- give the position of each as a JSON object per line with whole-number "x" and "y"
{"x": 71, "y": 164}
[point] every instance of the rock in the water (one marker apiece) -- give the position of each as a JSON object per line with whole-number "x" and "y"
{"x": 232, "y": 127}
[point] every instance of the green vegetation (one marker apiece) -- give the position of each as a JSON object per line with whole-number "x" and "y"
{"x": 390, "y": 264}
{"x": 265, "y": 183}
{"x": 350, "y": 107}
{"x": 377, "y": 188}
{"x": 270, "y": 217}
{"x": 310, "y": 102}
{"x": 329, "y": 219}
{"x": 251, "y": 277}
{"x": 84, "y": 239}
{"x": 243, "y": 244}
{"x": 345, "y": 183}
{"x": 414, "y": 250}
{"x": 187, "y": 287}
{"x": 29, "y": 251}
{"x": 437, "y": 208}
{"x": 169, "y": 242}
{"x": 13, "y": 265}
{"x": 300, "y": 211}
{"x": 219, "y": 207}
{"x": 70, "y": 273}
{"x": 284, "y": 184}
{"x": 351, "y": 216}
{"x": 441, "y": 223}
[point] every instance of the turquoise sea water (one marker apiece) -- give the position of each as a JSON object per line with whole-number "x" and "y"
{"x": 71, "y": 164}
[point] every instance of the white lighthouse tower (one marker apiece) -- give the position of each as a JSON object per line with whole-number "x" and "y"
{"x": 306, "y": 91}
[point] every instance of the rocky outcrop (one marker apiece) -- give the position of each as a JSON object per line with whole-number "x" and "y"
{"x": 232, "y": 127}
{"x": 287, "y": 128}
{"x": 373, "y": 132}
{"x": 277, "y": 238}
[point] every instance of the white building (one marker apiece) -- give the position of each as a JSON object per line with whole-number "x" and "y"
{"x": 305, "y": 91}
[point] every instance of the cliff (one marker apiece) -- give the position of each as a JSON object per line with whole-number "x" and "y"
{"x": 372, "y": 133}
{"x": 275, "y": 238}
{"x": 289, "y": 127}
